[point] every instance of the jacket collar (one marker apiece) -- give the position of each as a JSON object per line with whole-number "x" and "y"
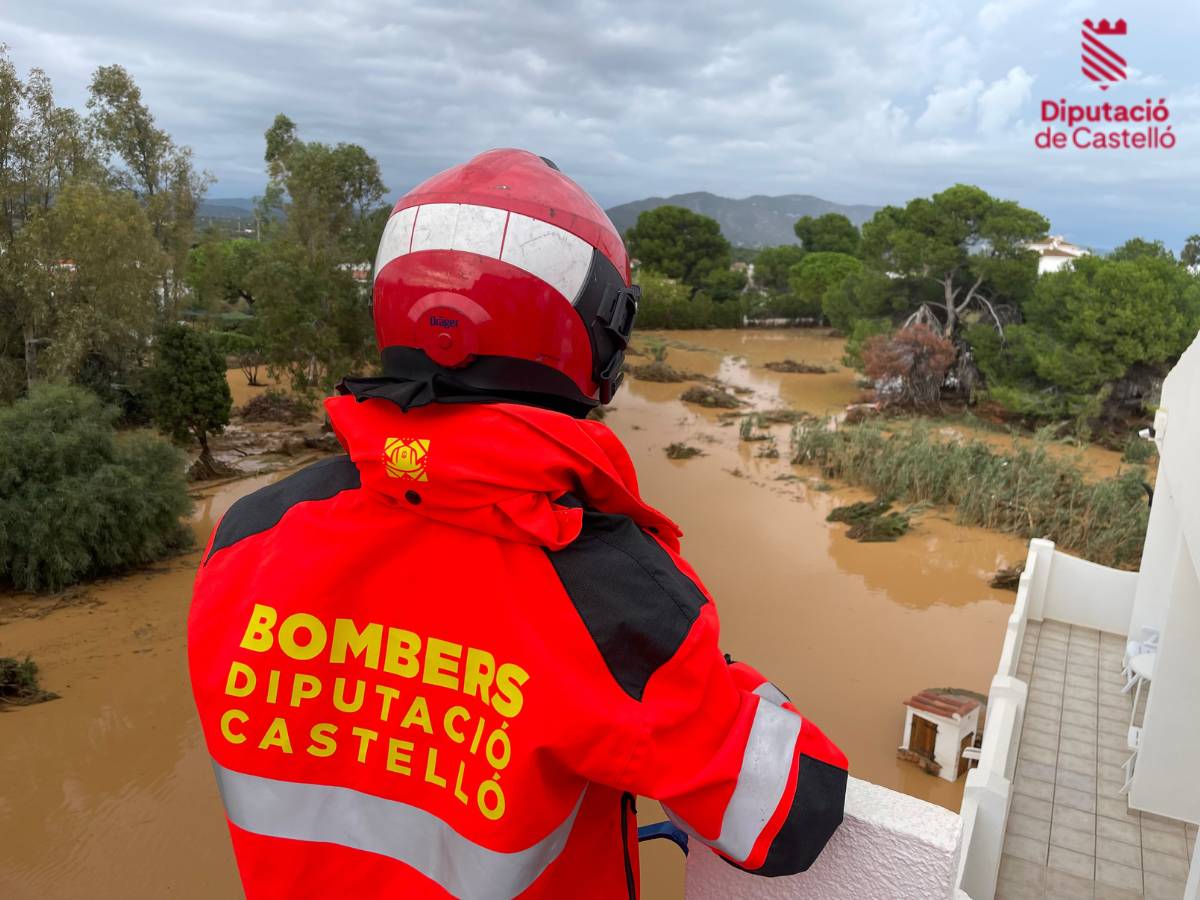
{"x": 497, "y": 468}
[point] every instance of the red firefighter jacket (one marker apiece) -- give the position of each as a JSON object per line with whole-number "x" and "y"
{"x": 443, "y": 665}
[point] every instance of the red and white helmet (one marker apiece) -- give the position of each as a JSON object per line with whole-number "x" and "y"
{"x": 503, "y": 278}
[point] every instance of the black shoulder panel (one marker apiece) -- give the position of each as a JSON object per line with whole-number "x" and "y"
{"x": 263, "y": 509}
{"x": 637, "y": 606}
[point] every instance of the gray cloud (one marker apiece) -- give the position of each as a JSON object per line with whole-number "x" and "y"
{"x": 853, "y": 101}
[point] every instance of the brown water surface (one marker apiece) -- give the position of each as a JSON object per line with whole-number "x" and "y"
{"x": 107, "y": 792}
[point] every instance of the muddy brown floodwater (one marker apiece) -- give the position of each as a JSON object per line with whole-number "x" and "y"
{"x": 108, "y": 792}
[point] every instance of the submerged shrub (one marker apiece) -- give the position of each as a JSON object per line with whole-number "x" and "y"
{"x": 77, "y": 499}
{"x": 682, "y": 451}
{"x": 1025, "y": 492}
{"x": 19, "y": 682}
{"x": 712, "y": 397}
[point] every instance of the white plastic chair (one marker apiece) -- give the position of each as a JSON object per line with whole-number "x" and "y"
{"x": 1147, "y": 643}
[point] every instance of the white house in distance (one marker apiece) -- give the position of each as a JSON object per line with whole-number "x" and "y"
{"x": 938, "y": 727}
{"x": 1055, "y": 252}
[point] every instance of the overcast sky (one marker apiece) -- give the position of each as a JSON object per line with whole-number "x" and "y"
{"x": 853, "y": 101}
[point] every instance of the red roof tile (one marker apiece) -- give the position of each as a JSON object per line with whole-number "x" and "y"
{"x": 946, "y": 705}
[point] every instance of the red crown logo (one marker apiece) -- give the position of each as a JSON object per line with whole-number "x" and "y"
{"x": 1101, "y": 63}
{"x": 1117, "y": 27}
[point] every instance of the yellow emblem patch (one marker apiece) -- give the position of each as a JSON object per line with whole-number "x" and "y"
{"x": 404, "y": 458}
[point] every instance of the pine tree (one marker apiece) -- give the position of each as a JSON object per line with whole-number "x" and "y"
{"x": 189, "y": 395}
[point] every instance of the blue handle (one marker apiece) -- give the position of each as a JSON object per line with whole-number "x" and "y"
{"x": 664, "y": 830}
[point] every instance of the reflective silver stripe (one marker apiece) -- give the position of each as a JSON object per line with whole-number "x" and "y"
{"x": 761, "y": 783}
{"x": 338, "y": 815}
{"x": 770, "y": 693}
{"x": 553, "y": 254}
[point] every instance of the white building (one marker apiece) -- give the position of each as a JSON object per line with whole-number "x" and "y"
{"x": 1055, "y": 252}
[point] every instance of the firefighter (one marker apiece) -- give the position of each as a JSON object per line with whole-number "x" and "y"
{"x": 445, "y": 662}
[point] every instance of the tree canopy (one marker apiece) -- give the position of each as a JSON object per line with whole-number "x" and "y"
{"x": 147, "y": 162}
{"x": 1137, "y": 248}
{"x": 1086, "y": 326}
{"x": 189, "y": 395}
{"x": 314, "y": 318}
{"x": 1190, "y": 255}
{"x": 830, "y": 233}
{"x": 772, "y": 264}
{"x": 811, "y": 278}
{"x": 970, "y": 244}
{"x": 680, "y": 244}
{"x": 77, "y": 498}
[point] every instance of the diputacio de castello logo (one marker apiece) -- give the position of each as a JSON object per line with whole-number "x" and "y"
{"x": 1138, "y": 125}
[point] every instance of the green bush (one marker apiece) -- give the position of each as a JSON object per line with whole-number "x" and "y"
{"x": 19, "y": 682}
{"x": 670, "y": 304}
{"x": 1138, "y": 450}
{"x": 861, "y": 331}
{"x": 77, "y": 499}
{"x": 1025, "y": 492}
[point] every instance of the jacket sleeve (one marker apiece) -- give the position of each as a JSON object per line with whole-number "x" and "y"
{"x": 743, "y": 771}
{"x": 730, "y": 758}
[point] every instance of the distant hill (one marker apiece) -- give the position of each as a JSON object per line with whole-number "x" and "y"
{"x": 226, "y": 208}
{"x": 757, "y": 221}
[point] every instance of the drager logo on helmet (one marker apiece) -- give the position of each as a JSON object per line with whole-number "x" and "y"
{"x": 406, "y": 458}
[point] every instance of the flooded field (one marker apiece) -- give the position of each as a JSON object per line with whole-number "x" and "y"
{"x": 107, "y": 792}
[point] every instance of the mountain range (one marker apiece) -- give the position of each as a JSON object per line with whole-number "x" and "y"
{"x": 757, "y": 221}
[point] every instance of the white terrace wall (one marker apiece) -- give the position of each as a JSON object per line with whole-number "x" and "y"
{"x": 1165, "y": 595}
{"x": 890, "y": 847}
{"x": 988, "y": 793}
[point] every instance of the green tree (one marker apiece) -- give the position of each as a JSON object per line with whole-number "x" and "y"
{"x": 968, "y": 243}
{"x": 42, "y": 148}
{"x": 830, "y": 233}
{"x": 189, "y": 394}
{"x": 1190, "y": 255}
{"x": 818, "y": 273}
{"x": 77, "y": 499}
{"x": 1085, "y": 327}
{"x": 146, "y": 162}
{"x": 245, "y": 347}
{"x": 725, "y": 284}
{"x": 219, "y": 272}
{"x": 680, "y": 244}
{"x": 91, "y": 267}
{"x": 1136, "y": 248}
{"x": 314, "y": 318}
{"x": 869, "y": 294}
{"x": 772, "y": 264}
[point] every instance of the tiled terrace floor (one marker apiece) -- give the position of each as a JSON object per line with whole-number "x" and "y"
{"x": 1070, "y": 831}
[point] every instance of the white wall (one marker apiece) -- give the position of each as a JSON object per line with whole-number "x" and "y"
{"x": 1052, "y": 263}
{"x": 1081, "y": 592}
{"x": 1163, "y": 545}
{"x": 890, "y": 847}
{"x": 1166, "y": 779}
